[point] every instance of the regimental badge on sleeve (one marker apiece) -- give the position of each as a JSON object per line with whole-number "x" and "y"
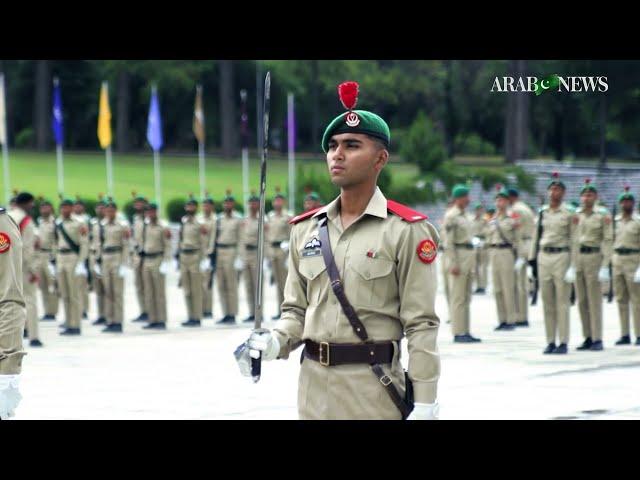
{"x": 427, "y": 251}
{"x": 5, "y": 242}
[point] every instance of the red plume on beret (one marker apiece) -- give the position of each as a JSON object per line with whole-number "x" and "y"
{"x": 348, "y": 92}
{"x": 587, "y": 181}
{"x": 626, "y": 188}
{"x": 555, "y": 175}
{"x": 498, "y": 187}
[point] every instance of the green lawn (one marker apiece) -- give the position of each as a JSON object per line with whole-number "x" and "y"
{"x": 85, "y": 174}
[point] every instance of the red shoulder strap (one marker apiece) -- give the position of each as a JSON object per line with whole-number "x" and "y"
{"x": 23, "y": 223}
{"x": 303, "y": 216}
{"x": 407, "y": 214}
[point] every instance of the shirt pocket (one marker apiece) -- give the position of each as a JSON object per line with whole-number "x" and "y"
{"x": 311, "y": 268}
{"x": 373, "y": 283}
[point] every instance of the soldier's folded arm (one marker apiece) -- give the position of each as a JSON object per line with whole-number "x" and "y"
{"x": 290, "y": 327}
{"x": 417, "y": 286}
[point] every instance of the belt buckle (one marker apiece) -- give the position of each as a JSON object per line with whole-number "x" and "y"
{"x": 326, "y": 346}
{"x": 385, "y": 380}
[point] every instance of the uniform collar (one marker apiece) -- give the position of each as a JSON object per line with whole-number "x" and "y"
{"x": 377, "y": 207}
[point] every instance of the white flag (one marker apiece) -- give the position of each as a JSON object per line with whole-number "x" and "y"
{"x": 3, "y": 113}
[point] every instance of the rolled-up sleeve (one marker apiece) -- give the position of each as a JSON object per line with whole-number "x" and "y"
{"x": 417, "y": 286}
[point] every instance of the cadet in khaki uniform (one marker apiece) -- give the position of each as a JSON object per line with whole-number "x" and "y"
{"x": 526, "y": 220}
{"x": 461, "y": 262}
{"x": 12, "y": 314}
{"x": 96, "y": 237}
{"x": 44, "y": 257}
{"x": 115, "y": 256}
{"x": 70, "y": 258}
{"x": 554, "y": 259}
{"x": 278, "y": 232}
{"x": 249, "y": 254}
{"x": 192, "y": 245}
{"x": 209, "y": 220}
{"x": 626, "y": 266}
{"x": 505, "y": 254}
{"x": 79, "y": 214}
{"x": 443, "y": 258}
{"x": 227, "y": 250}
{"x": 139, "y": 204}
{"x": 479, "y": 231}
{"x": 383, "y": 253}
{"x": 20, "y": 215}
{"x": 157, "y": 256}
{"x": 594, "y": 237}
{"x": 311, "y": 201}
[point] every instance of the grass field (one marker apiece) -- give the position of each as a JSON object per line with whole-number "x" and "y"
{"x": 85, "y": 174}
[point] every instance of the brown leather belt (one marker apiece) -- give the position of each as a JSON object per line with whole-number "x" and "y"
{"x": 626, "y": 251}
{"x": 331, "y": 354}
{"x": 189, "y": 251}
{"x": 153, "y": 255}
{"x": 251, "y": 247}
{"x": 555, "y": 249}
{"x": 585, "y": 249}
{"x": 501, "y": 245}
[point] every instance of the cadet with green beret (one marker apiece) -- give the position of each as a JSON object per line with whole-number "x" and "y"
{"x": 139, "y": 205}
{"x": 209, "y": 219}
{"x": 479, "y": 231}
{"x": 229, "y": 261}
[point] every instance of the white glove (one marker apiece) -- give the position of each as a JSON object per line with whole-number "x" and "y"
{"x": 238, "y": 264}
{"x": 204, "y": 264}
{"x": 165, "y": 266}
{"x": 425, "y": 411}
{"x": 264, "y": 342}
{"x": 52, "y": 269}
{"x": 9, "y": 395}
{"x": 81, "y": 270}
{"x": 97, "y": 269}
{"x": 518, "y": 265}
{"x": 603, "y": 274}
{"x": 266, "y": 265}
{"x": 284, "y": 246}
{"x": 570, "y": 276}
{"x": 636, "y": 276}
{"x": 123, "y": 271}
{"x": 175, "y": 265}
{"x": 475, "y": 241}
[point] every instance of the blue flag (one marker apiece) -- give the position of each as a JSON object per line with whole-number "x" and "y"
{"x": 56, "y": 118}
{"x": 154, "y": 125}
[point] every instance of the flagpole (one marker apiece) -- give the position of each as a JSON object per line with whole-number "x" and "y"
{"x": 202, "y": 172}
{"x": 5, "y": 147}
{"x": 245, "y": 178}
{"x": 156, "y": 171}
{"x": 291, "y": 137}
{"x": 245, "y": 149}
{"x": 109, "y": 171}
{"x": 60, "y": 169}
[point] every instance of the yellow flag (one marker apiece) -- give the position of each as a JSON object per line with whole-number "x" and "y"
{"x": 104, "y": 117}
{"x": 198, "y": 116}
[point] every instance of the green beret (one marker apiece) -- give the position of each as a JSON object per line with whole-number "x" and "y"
{"x": 478, "y": 205}
{"x": 139, "y": 198}
{"x": 503, "y": 192}
{"x": 152, "y": 206}
{"x": 191, "y": 201}
{"x": 44, "y": 201}
{"x": 254, "y": 198}
{"x": 229, "y": 198}
{"x": 357, "y": 121}
{"x": 313, "y": 196}
{"x": 491, "y": 210}
{"x": 110, "y": 203}
{"x": 208, "y": 199}
{"x": 66, "y": 201}
{"x": 588, "y": 187}
{"x": 556, "y": 181}
{"x": 279, "y": 195}
{"x": 626, "y": 195}
{"x": 459, "y": 190}
{"x": 513, "y": 191}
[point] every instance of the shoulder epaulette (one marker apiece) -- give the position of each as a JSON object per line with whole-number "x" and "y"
{"x": 304, "y": 216}
{"x": 404, "y": 212}
{"x": 3, "y": 210}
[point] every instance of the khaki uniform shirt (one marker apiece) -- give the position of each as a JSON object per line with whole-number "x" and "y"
{"x": 13, "y": 313}
{"x": 558, "y": 229}
{"x": 458, "y": 229}
{"x": 116, "y": 236}
{"x": 193, "y": 235}
{"x": 210, "y": 224}
{"x": 526, "y": 219}
{"x": 29, "y": 260}
{"x": 509, "y": 226}
{"x": 391, "y": 290}
{"x": 157, "y": 238}
{"x": 595, "y": 229}
{"x": 78, "y": 233}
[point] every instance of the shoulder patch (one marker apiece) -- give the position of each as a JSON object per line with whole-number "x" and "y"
{"x": 5, "y": 242}
{"x": 304, "y": 216}
{"x": 406, "y": 213}
{"x": 427, "y": 251}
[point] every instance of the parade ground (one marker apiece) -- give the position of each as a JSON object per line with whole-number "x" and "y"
{"x": 190, "y": 373}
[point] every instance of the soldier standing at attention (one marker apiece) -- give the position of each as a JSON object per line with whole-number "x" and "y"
{"x": 20, "y": 214}
{"x": 157, "y": 257}
{"x": 209, "y": 219}
{"x": 278, "y": 234}
{"x": 461, "y": 262}
{"x": 507, "y": 256}
{"x": 139, "y": 205}
{"x": 249, "y": 253}
{"x": 351, "y": 292}
{"x": 115, "y": 256}
{"x": 626, "y": 266}
{"x": 554, "y": 259}
{"x": 192, "y": 248}
{"x": 12, "y": 315}
{"x": 71, "y": 249}
{"x": 46, "y": 223}
{"x": 96, "y": 237}
{"x": 526, "y": 219}
{"x": 226, "y": 271}
{"x": 479, "y": 231}
{"x": 594, "y": 236}
{"x": 80, "y": 214}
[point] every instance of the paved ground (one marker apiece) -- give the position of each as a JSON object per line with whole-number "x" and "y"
{"x": 191, "y": 374}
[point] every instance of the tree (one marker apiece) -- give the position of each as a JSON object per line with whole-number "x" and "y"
{"x": 517, "y": 117}
{"x": 424, "y": 145}
{"x": 227, "y": 109}
{"x": 42, "y": 105}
